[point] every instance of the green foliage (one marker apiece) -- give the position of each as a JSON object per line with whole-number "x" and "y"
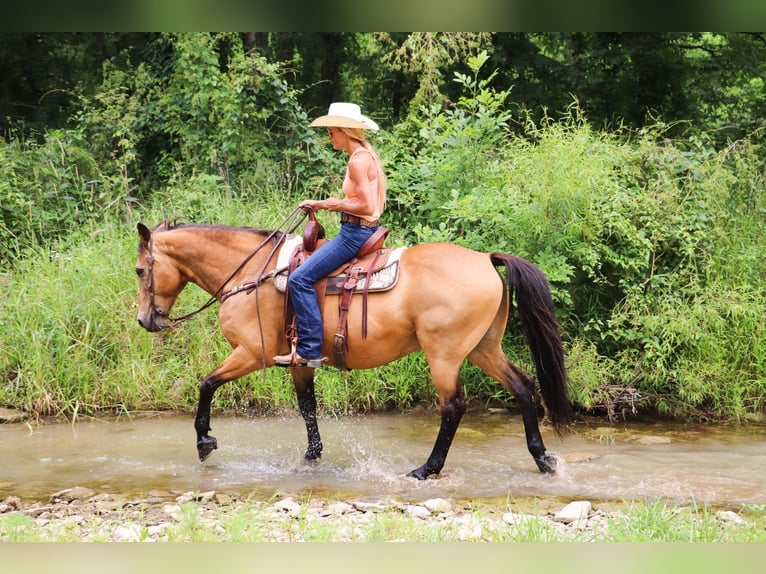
{"x": 642, "y": 238}
{"x": 447, "y": 153}
{"x": 653, "y": 241}
{"x": 46, "y": 190}
{"x": 204, "y": 102}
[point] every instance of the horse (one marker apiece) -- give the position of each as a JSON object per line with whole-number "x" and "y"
{"x": 450, "y": 302}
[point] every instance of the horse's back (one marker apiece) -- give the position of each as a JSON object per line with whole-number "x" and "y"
{"x": 447, "y": 296}
{"x": 451, "y": 264}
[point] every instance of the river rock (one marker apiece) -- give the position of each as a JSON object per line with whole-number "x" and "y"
{"x": 729, "y": 517}
{"x": 173, "y": 510}
{"x": 417, "y": 511}
{"x": 437, "y": 505}
{"x": 573, "y": 457}
{"x": 650, "y": 440}
{"x": 287, "y": 505}
{"x": 222, "y": 499}
{"x": 517, "y": 518}
{"x": 336, "y": 509}
{"x": 575, "y": 513}
{"x": 373, "y": 506}
{"x": 127, "y": 532}
{"x": 10, "y": 504}
{"x": 11, "y": 416}
{"x": 69, "y": 495}
{"x": 468, "y": 528}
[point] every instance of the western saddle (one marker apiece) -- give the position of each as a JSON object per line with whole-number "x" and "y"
{"x": 372, "y": 257}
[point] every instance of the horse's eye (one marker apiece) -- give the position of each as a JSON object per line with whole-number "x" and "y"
{"x": 140, "y": 271}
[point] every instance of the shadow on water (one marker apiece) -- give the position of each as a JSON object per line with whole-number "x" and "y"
{"x": 369, "y": 456}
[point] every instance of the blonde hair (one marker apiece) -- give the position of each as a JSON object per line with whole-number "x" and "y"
{"x": 358, "y": 135}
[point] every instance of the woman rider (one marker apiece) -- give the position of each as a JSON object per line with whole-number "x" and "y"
{"x": 364, "y": 190}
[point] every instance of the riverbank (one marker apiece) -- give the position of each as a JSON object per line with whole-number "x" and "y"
{"x": 81, "y": 514}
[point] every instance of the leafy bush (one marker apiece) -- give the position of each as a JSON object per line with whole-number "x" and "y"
{"x": 46, "y": 190}
{"x": 653, "y": 247}
{"x": 202, "y": 102}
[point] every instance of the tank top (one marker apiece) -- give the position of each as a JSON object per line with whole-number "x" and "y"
{"x": 350, "y": 192}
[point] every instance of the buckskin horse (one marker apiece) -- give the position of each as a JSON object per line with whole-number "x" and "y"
{"x": 449, "y": 301}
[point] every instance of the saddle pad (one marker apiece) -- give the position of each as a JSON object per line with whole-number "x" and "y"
{"x": 382, "y": 280}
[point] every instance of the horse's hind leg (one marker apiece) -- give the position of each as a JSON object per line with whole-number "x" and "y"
{"x": 303, "y": 380}
{"x": 522, "y": 386}
{"x": 452, "y": 406}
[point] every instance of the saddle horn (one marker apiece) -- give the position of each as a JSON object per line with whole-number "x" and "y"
{"x": 312, "y": 231}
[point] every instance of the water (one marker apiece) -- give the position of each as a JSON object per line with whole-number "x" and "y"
{"x": 369, "y": 456}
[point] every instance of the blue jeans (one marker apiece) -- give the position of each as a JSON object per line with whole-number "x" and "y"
{"x": 339, "y": 250}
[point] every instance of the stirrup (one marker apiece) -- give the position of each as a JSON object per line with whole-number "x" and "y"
{"x": 295, "y": 360}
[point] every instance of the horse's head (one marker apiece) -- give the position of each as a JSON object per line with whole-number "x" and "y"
{"x": 159, "y": 282}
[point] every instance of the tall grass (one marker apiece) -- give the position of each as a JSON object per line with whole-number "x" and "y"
{"x": 70, "y": 344}
{"x": 654, "y": 250}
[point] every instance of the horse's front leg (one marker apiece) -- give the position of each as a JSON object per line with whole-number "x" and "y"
{"x": 236, "y": 365}
{"x": 206, "y": 444}
{"x": 303, "y": 380}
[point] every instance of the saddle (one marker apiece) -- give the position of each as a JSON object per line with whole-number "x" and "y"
{"x": 374, "y": 268}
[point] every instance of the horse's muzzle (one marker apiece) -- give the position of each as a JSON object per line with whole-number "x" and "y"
{"x": 151, "y": 325}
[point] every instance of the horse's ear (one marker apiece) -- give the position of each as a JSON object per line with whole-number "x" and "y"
{"x": 144, "y": 232}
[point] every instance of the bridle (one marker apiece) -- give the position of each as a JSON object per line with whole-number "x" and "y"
{"x": 289, "y": 224}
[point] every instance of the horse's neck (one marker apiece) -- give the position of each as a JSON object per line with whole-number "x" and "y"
{"x": 209, "y": 257}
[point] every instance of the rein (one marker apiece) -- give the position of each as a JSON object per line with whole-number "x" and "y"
{"x": 289, "y": 224}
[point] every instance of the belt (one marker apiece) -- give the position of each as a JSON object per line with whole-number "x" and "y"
{"x": 348, "y": 218}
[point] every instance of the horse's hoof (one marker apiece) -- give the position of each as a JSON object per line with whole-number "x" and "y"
{"x": 421, "y": 473}
{"x": 311, "y": 456}
{"x": 310, "y": 462}
{"x": 205, "y": 446}
{"x": 547, "y": 464}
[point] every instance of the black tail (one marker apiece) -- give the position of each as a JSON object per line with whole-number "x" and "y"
{"x": 535, "y": 307}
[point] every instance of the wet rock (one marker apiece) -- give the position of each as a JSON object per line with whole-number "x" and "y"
{"x": 191, "y": 496}
{"x": 10, "y": 416}
{"x": 10, "y": 504}
{"x": 70, "y": 495}
{"x": 574, "y": 457}
{"x": 575, "y": 513}
{"x": 164, "y": 494}
{"x": 650, "y": 440}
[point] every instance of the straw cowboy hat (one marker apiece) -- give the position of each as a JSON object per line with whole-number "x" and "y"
{"x": 345, "y": 115}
